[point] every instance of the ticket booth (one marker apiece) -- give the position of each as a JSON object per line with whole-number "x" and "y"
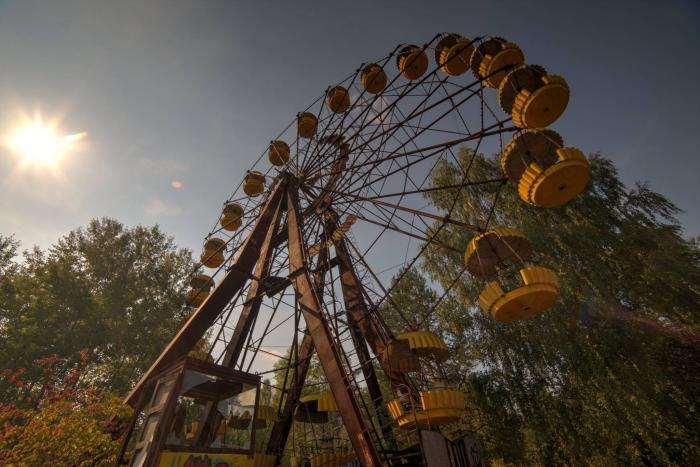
{"x": 194, "y": 412}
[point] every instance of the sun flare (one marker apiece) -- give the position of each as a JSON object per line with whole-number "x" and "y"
{"x": 38, "y": 142}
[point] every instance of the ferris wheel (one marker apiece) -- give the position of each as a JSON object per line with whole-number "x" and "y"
{"x": 299, "y": 261}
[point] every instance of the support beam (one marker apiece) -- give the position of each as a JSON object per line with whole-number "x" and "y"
{"x": 281, "y": 428}
{"x": 210, "y": 420}
{"x": 235, "y": 278}
{"x": 319, "y": 331}
{"x": 253, "y": 299}
{"x": 354, "y": 301}
{"x": 358, "y": 313}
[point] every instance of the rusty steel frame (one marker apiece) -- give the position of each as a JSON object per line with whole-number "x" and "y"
{"x": 281, "y": 428}
{"x": 249, "y": 313}
{"x": 232, "y": 282}
{"x": 317, "y": 325}
{"x": 364, "y": 324}
{"x": 363, "y": 332}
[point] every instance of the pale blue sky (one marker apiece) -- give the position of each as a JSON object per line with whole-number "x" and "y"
{"x": 194, "y": 90}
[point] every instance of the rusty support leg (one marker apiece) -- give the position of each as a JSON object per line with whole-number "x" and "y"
{"x": 253, "y": 298}
{"x": 354, "y": 302}
{"x": 232, "y": 282}
{"x": 311, "y": 309}
{"x": 281, "y": 428}
{"x": 209, "y": 420}
{"x": 361, "y": 327}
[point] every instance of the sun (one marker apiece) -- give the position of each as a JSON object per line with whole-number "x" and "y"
{"x": 39, "y": 143}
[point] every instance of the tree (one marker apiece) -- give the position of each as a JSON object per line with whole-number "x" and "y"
{"x": 115, "y": 291}
{"x": 59, "y": 420}
{"x": 609, "y": 375}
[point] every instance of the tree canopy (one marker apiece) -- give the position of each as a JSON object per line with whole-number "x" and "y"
{"x": 113, "y": 290}
{"x": 609, "y": 375}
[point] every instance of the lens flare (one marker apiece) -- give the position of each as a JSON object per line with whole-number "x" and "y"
{"x": 39, "y": 143}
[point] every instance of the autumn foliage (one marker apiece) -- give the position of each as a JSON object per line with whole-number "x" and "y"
{"x": 59, "y": 418}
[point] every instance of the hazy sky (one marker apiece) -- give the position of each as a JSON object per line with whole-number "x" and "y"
{"x": 193, "y": 91}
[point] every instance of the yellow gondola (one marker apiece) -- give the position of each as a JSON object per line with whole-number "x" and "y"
{"x": 195, "y": 298}
{"x": 493, "y": 59}
{"x": 547, "y": 174}
{"x": 438, "y": 406}
{"x": 254, "y": 183}
{"x": 278, "y": 153}
{"x": 373, "y": 78}
{"x": 403, "y": 353}
{"x": 534, "y": 98}
{"x": 537, "y": 293}
{"x": 199, "y": 352}
{"x": 201, "y": 285}
{"x": 306, "y": 125}
{"x": 213, "y": 255}
{"x": 453, "y": 54}
{"x": 201, "y": 282}
{"x": 493, "y": 248}
{"x": 412, "y": 62}
{"x": 231, "y": 216}
{"x": 264, "y": 415}
{"x": 314, "y": 408}
{"x": 338, "y": 99}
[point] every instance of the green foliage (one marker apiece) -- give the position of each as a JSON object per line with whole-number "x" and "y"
{"x": 113, "y": 290}
{"x": 59, "y": 421}
{"x": 609, "y": 375}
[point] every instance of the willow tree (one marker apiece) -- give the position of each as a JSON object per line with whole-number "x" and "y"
{"x": 609, "y": 375}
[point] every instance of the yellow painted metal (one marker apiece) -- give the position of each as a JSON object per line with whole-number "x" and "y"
{"x": 453, "y": 53}
{"x": 254, "y": 183}
{"x": 230, "y": 224}
{"x": 494, "y": 248}
{"x": 267, "y": 413}
{"x": 557, "y": 184}
{"x": 324, "y": 401}
{"x": 278, "y": 153}
{"x": 522, "y": 77}
{"x": 200, "y": 352}
{"x": 403, "y": 352}
{"x": 240, "y": 422}
{"x": 306, "y": 125}
{"x": 184, "y": 458}
{"x": 541, "y": 107}
{"x": 231, "y": 217}
{"x": 437, "y": 407}
{"x": 214, "y": 244}
{"x": 527, "y": 147}
{"x": 412, "y": 62}
{"x": 338, "y": 99}
{"x": 212, "y": 259}
{"x": 263, "y": 460}
{"x": 201, "y": 282}
{"x": 495, "y": 66}
{"x": 331, "y": 459}
{"x": 213, "y": 255}
{"x": 426, "y": 344}
{"x": 314, "y": 408}
{"x": 233, "y": 209}
{"x": 538, "y": 293}
{"x": 373, "y": 78}
{"x": 196, "y": 297}
{"x": 264, "y": 415}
